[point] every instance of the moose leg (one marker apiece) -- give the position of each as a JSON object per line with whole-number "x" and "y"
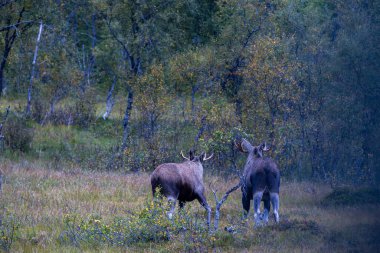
{"x": 276, "y": 204}
{"x": 246, "y": 205}
{"x": 266, "y": 200}
{"x": 202, "y": 200}
{"x": 172, "y": 206}
{"x": 181, "y": 204}
{"x": 256, "y": 205}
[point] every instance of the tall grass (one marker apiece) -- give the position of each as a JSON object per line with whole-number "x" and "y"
{"x": 38, "y": 200}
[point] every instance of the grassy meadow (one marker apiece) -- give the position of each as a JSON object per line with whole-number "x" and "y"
{"x": 36, "y": 201}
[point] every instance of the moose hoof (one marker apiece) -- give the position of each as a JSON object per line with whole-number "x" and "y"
{"x": 258, "y": 221}
{"x": 276, "y": 217}
{"x": 265, "y": 216}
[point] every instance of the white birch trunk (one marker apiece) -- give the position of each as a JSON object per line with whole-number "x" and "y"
{"x": 110, "y": 101}
{"x": 126, "y": 120}
{"x": 33, "y": 70}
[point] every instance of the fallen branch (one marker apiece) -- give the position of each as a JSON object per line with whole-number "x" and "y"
{"x": 220, "y": 202}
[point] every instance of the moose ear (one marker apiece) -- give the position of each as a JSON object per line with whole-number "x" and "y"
{"x": 246, "y": 146}
{"x": 243, "y": 146}
{"x": 191, "y": 155}
{"x": 202, "y": 156}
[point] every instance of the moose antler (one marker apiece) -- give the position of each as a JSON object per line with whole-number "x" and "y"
{"x": 184, "y": 156}
{"x": 207, "y": 158}
{"x": 264, "y": 146}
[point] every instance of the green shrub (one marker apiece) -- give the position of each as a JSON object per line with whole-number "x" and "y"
{"x": 85, "y": 110}
{"x": 61, "y": 116}
{"x": 39, "y": 108}
{"x": 150, "y": 224}
{"x": 8, "y": 231}
{"x": 17, "y": 134}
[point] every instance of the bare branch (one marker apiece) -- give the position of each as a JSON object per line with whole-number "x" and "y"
{"x": 225, "y": 196}
{"x": 220, "y": 202}
{"x": 15, "y": 25}
{"x": 5, "y": 3}
{"x": 118, "y": 40}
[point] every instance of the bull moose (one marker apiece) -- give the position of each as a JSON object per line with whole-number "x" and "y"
{"x": 182, "y": 182}
{"x": 261, "y": 181}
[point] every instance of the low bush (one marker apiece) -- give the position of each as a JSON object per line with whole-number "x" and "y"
{"x": 18, "y": 134}
{"x": 150, "y": 224}
{"x": 349, "y": 196}
{"x": 8, "y": 231}
{"x": 61, "y": 116}
{"x": 84, "y": 110}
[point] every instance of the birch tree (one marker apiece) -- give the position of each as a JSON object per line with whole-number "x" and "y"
{"x": 29, "y": 99}
{"x": 12, "y": 26}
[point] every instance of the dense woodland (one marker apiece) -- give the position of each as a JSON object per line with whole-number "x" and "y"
{"x": 126, "y": 85}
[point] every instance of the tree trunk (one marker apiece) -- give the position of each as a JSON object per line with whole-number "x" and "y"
{"x": 85, "y": 81}
{"x": 200, "y": 131}
{"x": 33, "y": 70}
{"x": 1, "y": 130}
{"x": 7, "y": 48}
{"x": 239, "y": 109}
{"x": 91, "y": 62}
{"x": 126, "y": 120}
{"x": 8, "y": 43}
{"x": 2, "y": 66}
{"x": 194, "y": 89}
{"x": 110, "y": 101}
{"x": 93, "y": 30}
{"x": 2, "y": 123}
{"x": 52, "y": 103}
{"x": 184, "y": 108}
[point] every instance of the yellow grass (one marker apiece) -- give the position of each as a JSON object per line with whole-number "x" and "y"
{"x": 39, "y": 198}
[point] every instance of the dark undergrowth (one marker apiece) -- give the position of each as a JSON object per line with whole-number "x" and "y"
{"x": 352, "y": 196}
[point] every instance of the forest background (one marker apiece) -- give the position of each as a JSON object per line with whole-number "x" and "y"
{"x": 109, "y": 85}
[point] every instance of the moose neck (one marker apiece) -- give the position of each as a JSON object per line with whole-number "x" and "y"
{"x": 258, "y": 155}
{"x": 198, "y": 168}
{"x": 251, "y": 158}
